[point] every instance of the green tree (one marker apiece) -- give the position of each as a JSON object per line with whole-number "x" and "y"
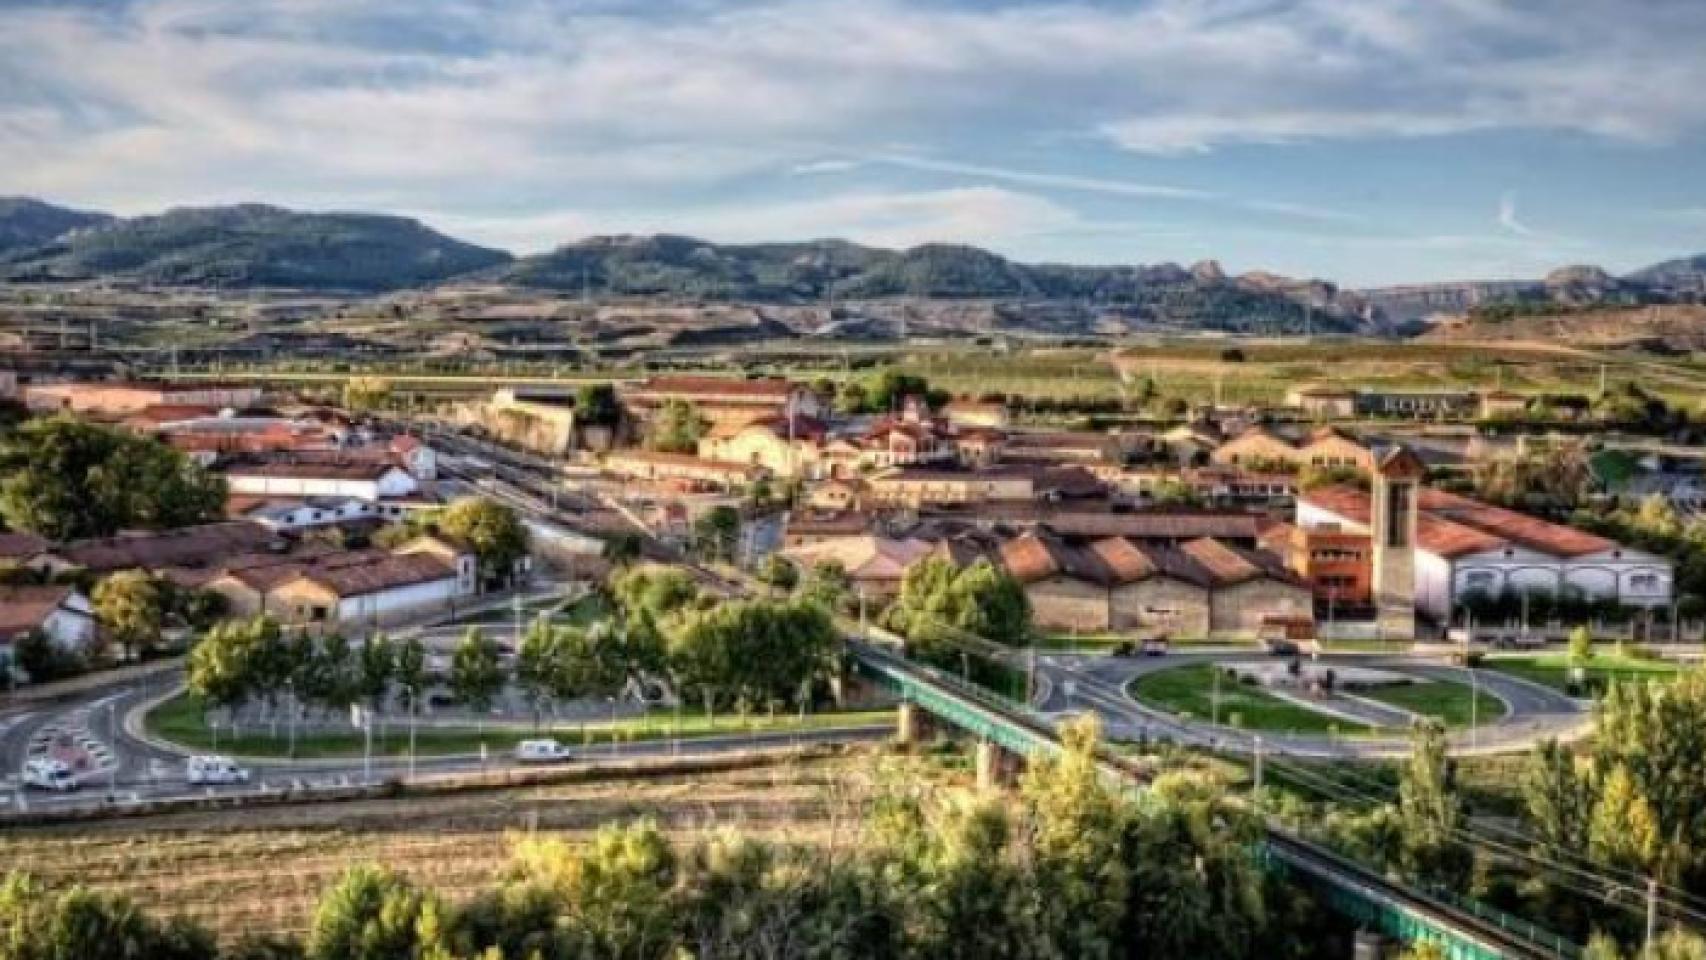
{"x": 656, "y": 592}
{"x": 1559, "y": 799}
{"x": 753, "y": 651}
{"x": 777, "y": 572}
{"x": 131, "y": 606}
{"x": 374, "y": 914}
{"x": 716, "y": 533}
{"x": 1625, "y": 830}
{"x": 366, "y": 393}
{"x": 1580, "y": 646}
{"x": 676, "y": 428}
{"x": 827, "y": 585}
{"x": 623, "y": 549}
{"x": 476, "y": 672}
{"x": 64, "y": 478}
{"x": 539, "y": 667}
{"x": 376, "y": 667}
{"x": 226, "y": 667}
{"x": 596, "y": 405}
{"x": 614, "y": 898}
{"x": 43, "y": 660}
{"x": 1429, "y": 812}
{"x": 939, "y": 604}
{"x": 1077, "y": 825}
{"x": 38, "y": 923}
{"x": 494, "y": 532}
{"x": 1656, "y": 736}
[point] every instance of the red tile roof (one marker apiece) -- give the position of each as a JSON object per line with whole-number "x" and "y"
{"x": 20, "y": 546}
{"x": 199, "y": 546}
{"x": 395, "y": 570}
{"x": 23, "y": 609}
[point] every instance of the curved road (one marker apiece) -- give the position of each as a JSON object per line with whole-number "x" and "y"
{"x": 1073, "y": 682}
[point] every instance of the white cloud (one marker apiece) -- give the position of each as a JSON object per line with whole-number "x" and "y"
{"x": 472, "y": 107}
{"x": 1507, "y": 217}
{"x": 814, "y": 167}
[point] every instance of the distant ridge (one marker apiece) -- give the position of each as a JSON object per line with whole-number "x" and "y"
{"x": 253, "y": 245}
{"x": 25, "y": 222}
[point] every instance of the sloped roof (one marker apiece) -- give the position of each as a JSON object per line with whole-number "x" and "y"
{"x": 20, "y": 546}
{"x": 23, "y": 609}
{"x": 197, "y": 546}
{"x": 389, "y": 573}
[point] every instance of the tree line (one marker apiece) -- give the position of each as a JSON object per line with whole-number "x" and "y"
{"x": 747, "y": 654}
{"x": 1070, "y": 867}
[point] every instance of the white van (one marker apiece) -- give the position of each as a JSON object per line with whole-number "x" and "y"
{"x": 541, "y": 751}
{"x": 212, "y": 770}
{"x": 48, "y": 774}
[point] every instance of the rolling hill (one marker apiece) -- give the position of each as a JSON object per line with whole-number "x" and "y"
{"x": 26, "y": 223}
{"x": 253, "y": 245}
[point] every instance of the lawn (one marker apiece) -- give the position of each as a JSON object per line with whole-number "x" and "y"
{"x": 180, "y": 721}
{"x": 1553, "y": 669}
{"x": 1190, "y": 690}
{"x": 1442, "y": 700}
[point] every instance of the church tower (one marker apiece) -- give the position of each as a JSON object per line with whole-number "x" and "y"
{"x": 1392, "y": 528}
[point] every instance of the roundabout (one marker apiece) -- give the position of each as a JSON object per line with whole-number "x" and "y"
{"x": 1351, "y": 706}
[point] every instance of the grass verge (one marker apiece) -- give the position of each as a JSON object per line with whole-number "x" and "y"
{"x": 1190, "y": 690}
{"x": 1553, "y": 670}
{"x": 181, "y": 721}
{"x": 1453, "y": 704}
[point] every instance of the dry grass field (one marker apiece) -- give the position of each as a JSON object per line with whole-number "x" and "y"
{"x": 261, "y": 872}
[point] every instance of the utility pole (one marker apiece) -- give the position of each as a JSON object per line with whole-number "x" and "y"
{"x": 1652, "y": 915}
{"x": 1214, "y": 699}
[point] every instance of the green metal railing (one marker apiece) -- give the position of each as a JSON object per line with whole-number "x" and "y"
{"x": 1464, "y": 928}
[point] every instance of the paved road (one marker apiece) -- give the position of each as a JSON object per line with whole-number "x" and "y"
{"x": 1077, "y": 682}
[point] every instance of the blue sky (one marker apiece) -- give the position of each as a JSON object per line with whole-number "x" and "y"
{"x": 1365, "y": 141}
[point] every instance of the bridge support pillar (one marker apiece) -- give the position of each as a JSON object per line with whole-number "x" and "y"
{"x": 910, "y": 723}
{"x": 995, "y": 766}
{"x": 1367, "y": 945}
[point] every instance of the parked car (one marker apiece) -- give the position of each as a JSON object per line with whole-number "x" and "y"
{"x": 1155, "y": 647}
{"x": 541, "y": 751}
{"x": 1125, "y": 648}
{"x": 214, "y": 770}
{"x": 44, "y": 773}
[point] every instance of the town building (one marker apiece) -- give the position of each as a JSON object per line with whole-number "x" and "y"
{"x": 361, "y": 588}
{"x": 785, "y": 447}
{"x": 684, "y": 468}
{"x": 1260, "y": 448}
{"x": 59, "y": 612}
{"x": 123, "y": 398}
{"x": 1465, "y": 548}
{"x": 721, "y": 401}
{"x": 875, "y": 565}
{"x": 1338, "y": 564}
{"x": 373, "y": 479}
{"x": 536, "y": 418}
{"x": 204, "y": 546}
{"x": 1200, "y": 588}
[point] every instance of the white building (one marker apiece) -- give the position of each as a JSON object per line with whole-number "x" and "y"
{"x": 370, "y": 480}
{"x": 59, "y": 613}
{"x": 293, "y": 514}
{"x": 1465, "y": 547}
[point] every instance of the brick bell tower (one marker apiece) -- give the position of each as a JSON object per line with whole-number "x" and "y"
{"x": 1397, "y": 477}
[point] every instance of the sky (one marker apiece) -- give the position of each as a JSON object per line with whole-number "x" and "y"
{"x": 1368, "y": 142}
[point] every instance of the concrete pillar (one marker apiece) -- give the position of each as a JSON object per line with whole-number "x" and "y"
{"x": 1367, "y": 945}
{"x": 909, "y": 724}
{"x": 989, "y": 763}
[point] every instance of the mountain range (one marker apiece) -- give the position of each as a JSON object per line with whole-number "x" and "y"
{"x": 256, "y": 246}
